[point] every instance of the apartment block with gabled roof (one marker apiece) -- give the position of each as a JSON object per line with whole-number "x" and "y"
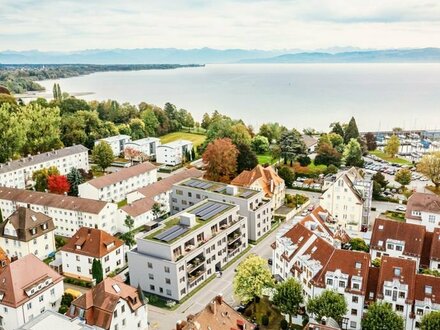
{"x": 423, "y": 209}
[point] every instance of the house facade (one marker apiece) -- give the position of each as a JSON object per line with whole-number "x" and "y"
{"x": 147, "y": 146}
{"x": 18, "y": 173}
{"x": 67, "y": 212}
{"x": 423, "y": 209}
{"x": 174, "y": 153}
{"x": 187, "y": 249}
{"x": 116, "y": 142}
{"x": 114, "y": 187}
{"x": 28, "y": 287}
{"x": 27, "y": 231}
{"x": 86, "y": 245}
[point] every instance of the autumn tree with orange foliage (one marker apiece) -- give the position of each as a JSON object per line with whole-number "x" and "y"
{"x": 221, "y": 159}
{"x": 58, "y": 184}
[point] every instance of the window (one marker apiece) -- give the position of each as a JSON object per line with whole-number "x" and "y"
{"x": 428, "y": 289}
{"x": 390, "y": 246}
{"x": 399, "y": 308}
{"x": 151, "y": 276}
{"x": 431, "y": 218}
{"x": 398, "y": 248}
{"x": 167, "y": 269}
{"x": 152, "y": 287}
{"x": 354, "y": 311}
{"x": 78, "y": 269}
{"x": 380, "y": 243}
{"x": 356, "y": 286}
{"x": 355, "y": 299}
{"x": 41, "y": 298}
{"x": 29, "y": 306}
{"x": 353, "y": 325}
{"x": 150, "y": 265}
{"x": 387, "y": 292}
{"x": 168, "y": 292}
{"x": 358, "y": 265}
{"x": 397, "y": 271}
{"x": 123, "y": 322}
{"x": 402, "y": 295}
{"x": 77, "y": 258}
{"x": 341, "y": 284}
{"x": 329, "y": 281}
{"x": 167, "y": 281}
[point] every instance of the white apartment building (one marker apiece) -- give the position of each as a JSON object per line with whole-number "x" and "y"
{"x": 426, "y": 298}
{"x": 28, "y": 287}
{"x": 18, "y": 173}
{"x": 305, "y": 255}
{"x": 348, "y": 197}
{"x": 173, "y": 153}
{"x": 68, "y": 213}
{"x": 397, "y": 239}
{"x": 88, "y": 244}
{"x": 187, "y": 249}
{"x": 114, "y": 187}
{"x": 266, "y": 179}
{"x": 25, "y": 232}
{"x": 253, "y": 205}
{"x": 424, "y": 209}
{"x": 111, "y": 305}
{"x": 116, "y": 142}
{"x": 147, "y": 147}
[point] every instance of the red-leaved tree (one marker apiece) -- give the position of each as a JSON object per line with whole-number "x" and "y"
{"x": 58, "y": 184}
{"x": 220, "y": 158}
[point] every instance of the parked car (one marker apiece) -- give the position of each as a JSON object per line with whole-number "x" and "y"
{"x": 401, "y": 208}
{"x": 269, "y": 261}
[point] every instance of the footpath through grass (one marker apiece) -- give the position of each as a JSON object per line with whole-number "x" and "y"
{"x": 196, "y": 139}
{"x": 395, "y": 160}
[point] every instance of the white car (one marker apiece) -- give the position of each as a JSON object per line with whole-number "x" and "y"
{"x": 401, "y": 208}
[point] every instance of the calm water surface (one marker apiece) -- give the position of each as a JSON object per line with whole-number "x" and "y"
{"x": 380, "y": 96}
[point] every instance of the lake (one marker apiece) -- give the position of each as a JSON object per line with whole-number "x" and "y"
{"x": 380, "y": 96}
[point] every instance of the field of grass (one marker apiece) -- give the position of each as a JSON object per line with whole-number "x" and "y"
{"x": 196, "y": 139}
{"x": 384, "y": 156}
{"x": 265, "y": 159}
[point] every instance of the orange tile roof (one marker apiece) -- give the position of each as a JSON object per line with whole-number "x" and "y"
{"x": 216, "y": 315}
{"x": 123, "y": 174}
{"x": 434, "y": 252}
{"x": 100, "y": 302}
{"x": 422, "y": 202}
{"x": 93, "y": 242}
{"x": 266, "y": 176}
{"x": 422, "y": 281}
{"x": 413, "y": 236}
{"x": 21, "y": 274}
{"x": 373, "y": 278}
{"x": 299, "y": 235}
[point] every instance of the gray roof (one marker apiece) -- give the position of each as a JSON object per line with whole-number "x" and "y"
{"x": 41, "y": 158}
{"x": 53, "y": 320}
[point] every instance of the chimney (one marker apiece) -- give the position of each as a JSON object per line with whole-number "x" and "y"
{"x": 213, "y": 306}
{"x": 219, "y": 299}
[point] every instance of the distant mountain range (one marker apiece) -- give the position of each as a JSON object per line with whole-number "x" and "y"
{"x": 210, "y": 55}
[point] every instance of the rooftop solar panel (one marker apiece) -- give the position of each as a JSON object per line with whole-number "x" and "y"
{"x": 206, "y": 185}
{"x": 167, "y": 232}
{"x": 219, "y": 189}
{"x": 207, "y": 210}
{"x": 214, "y": 212}
{"x": 246, "y": 194}
{"x": 175, "y": 234}
{"x": 202, "y": 208}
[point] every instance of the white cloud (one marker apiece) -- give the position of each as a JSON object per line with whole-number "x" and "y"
{"x": 276, "y": 24}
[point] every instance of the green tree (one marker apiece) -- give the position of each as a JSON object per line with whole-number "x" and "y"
{"x": 380, "y": 316}
{"x": 370, "y": 139}
{"x": 260, "y": 144}
{"x": 151, "y": 123}
{"x": 430, "y": 321}
{"x": 72, "y": 105}
{"x": 353, "y": 154}
{"x": 287, "y": 175}
{"x": 337, "y": 141}
{"x": 358, "y": 244}
{"x": 137, "y": 128}
{"x": 128, "y": 236}
{"x": 251, "y": 278}
{"x": 246, "y": 158}
{"x": 288, "y": 297}
{"x": 156, "y": 209}
{"x": 240, "y": 134}
{"x": 392, "y": 147}
{"x": 102, "y": 155}
{"x": 292, "y": 145}
{"x": 97, "y": 272}
{"x": 351, "y": 132}
{"x": 272, "y": 131}
{"x": 206, "y": 121}
{"x": 403, "y": 176}
{"x": 74, "y": 178}
{"x": 327, "y": 155}
{"x": 329, "y": 304}
{"x": 12, "y": 132}
{"x": 40, "y": 177}
{"x": 430, "y": 167}
{"x": 380, "y": 179}
{"x": 337, "y": 128}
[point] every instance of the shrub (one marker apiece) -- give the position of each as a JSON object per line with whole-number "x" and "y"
{"x": 248, "y": 313}
{"x": 63, "y": 309}
{"x": 265, "y": 320}
{"x": 284, "y": 324}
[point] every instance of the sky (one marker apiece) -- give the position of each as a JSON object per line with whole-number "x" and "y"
{"x": 68, "y": 25}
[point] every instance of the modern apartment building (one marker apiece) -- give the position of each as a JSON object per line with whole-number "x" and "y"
{"x": 116, "y": 142}
{"x": 28, "y": 287}
{"x": 27, "y": 231}
{"x": 254, "y": 206}
{"x": 68, "y": 213}
{"x": 114, "y": 187}
{"x": 174, "y": 153}
{"x": 88, "y": 244}
{"x": 423, "y": 209}
{"x": 147, "y": 147}
{"x": 188, "y": 248}
{"x": 18, "y": 173}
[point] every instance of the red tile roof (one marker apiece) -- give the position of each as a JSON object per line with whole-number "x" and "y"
{"x": 423, "y": 281}
{"x": 299, "y": 235}
{"x": 372, "y": 284}
{"x": 94, "y": 243}
{"x": 266, "y": 176}
{"x": 413, "y": 236}
{"x": 426, "y": 250}
{"x": 20, "y": 275}
{"x": 434, "y": 252}
{"x": 422, "y": 202}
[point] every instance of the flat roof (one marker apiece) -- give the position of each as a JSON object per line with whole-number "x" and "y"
{"x": 205, "y": 212}
{"x": 177, "y": 143}
{"x": 115, "y": 138}
{"x": 41, "y": 158}
{"x": 144, "y": 141}
{"x": 218, "y": 188}
{"x": 53, "y": 320}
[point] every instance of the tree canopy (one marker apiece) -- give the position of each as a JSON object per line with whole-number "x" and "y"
{"x": 102, "y": 155}
{"x": 292, "y": 145}
{"x": 329, "y": 304}
{"x": 392, "y": 147}
{"x": 246, "y": 158}
{"x": 429, "y": 166}
{"x": 288, "y": 297}
{"x": 380, "y": 316}
{"x": 430, "y": 321}
{"x": 403, "y": 176}
{"x": 221, "y": 159}
{"x": 351, "y": 131}
{"x": 353, "y": 154}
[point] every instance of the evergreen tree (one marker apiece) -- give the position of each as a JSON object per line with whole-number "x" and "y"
{"x": 75, "y": 179}
{"x": 337, "y": 128}
{"x": 351, "y": 132}
{"x": 246, "y": 158}
{"x": 353, "y": 154}
{"x": 97, "y": 272}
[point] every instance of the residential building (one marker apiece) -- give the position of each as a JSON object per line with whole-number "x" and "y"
{"x": 216, "y": 315}
{"x": 147, "y": 147}
{"x": 327, "y": 324}
{"x": 265, "y": 179}
{"x": 111, "y": 305}
{"x": 253, "y": 205}
{"x": 174, "y": 153}
{"x": 88, "y": 244}
{"x": 311, "y": 143}
{"x": 28, "y": 287}
{"x": 18, "y": 173}
{"x": 114, "y": 187}
{"x": 348, "y": 197}
{"x": 187, "y": 249}
{"x": 426, "y": 297}
{"x": 316, "y": 263}
{"x": 116, "y": 142}
{"x": 434, "y": 250}
{"x": 54, "y": 320}
{"x": 423, "y": 209}
{"x": 26, "y": 231}
{"x": 68, "y": 213}
{"x": 397, "y": 239}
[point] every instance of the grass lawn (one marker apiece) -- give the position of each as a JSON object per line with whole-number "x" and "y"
{"x": 196, "y": 139}
{"x": 264, "y": 307}
{"x": 384, "y": 156}
{"x": 265, "y": 159}
{"x": 397, "y": 216}
{"x": 122, "y": 203}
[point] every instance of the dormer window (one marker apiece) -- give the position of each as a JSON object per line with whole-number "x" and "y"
{"x": 78, "y": 247}
{"x": 397, "y": 271}
{"x": 356, "y": 286}
{"x": 44, "y": 226}
{"x": 358, "y": 265}
{"x": 428, "y": 289}
{"x": 33, "y": 231}
{"x": 380, "y": 227}
{"x": 380, "y": 243}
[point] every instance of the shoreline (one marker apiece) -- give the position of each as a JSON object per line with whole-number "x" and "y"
{"x": 46, "y": 95}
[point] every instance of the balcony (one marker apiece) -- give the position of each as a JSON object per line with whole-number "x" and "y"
{"x": 195, "y": 263}
{"x": 232, "y": 249}
{"x": 196, "y": 275}
{"x": 234, "y": 237}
